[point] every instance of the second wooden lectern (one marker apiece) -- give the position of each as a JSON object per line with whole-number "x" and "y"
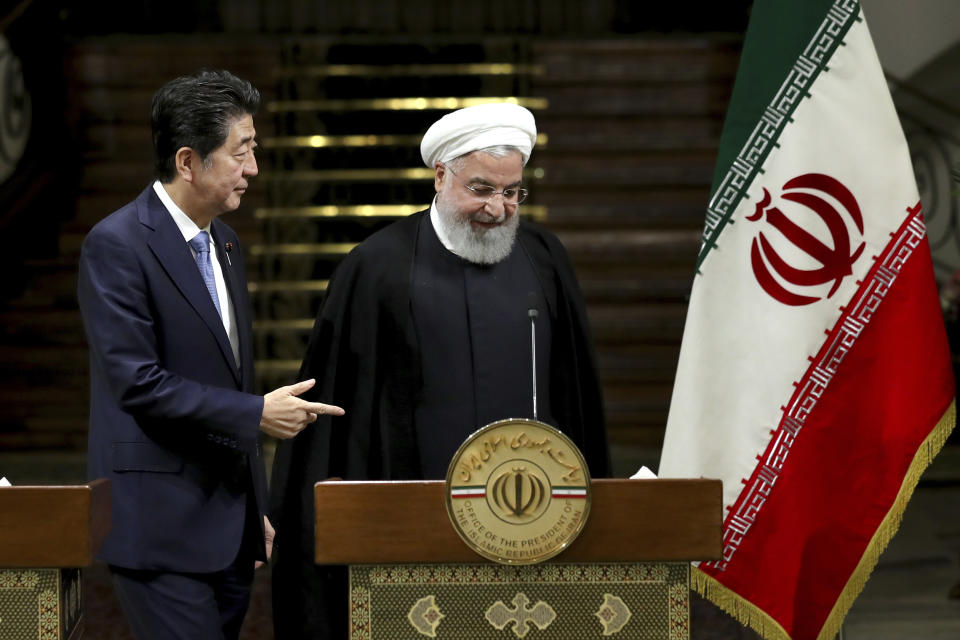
{"x": 625, "y": 576}
{"x": 46, "y": 535}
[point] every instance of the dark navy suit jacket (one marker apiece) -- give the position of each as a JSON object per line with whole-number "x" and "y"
{"x": 173, "y": 424}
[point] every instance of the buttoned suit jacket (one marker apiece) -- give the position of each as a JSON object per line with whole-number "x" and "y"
{"x": 173, "y": 422}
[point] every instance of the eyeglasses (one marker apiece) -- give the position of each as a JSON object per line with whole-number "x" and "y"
{"x": 484, "y": 193}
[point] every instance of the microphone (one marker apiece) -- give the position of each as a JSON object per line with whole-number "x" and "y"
{"x": 532, "y": 312}
{"x": 228, "y": 247}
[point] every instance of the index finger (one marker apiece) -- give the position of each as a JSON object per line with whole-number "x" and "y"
{"x": 323, "y": 409}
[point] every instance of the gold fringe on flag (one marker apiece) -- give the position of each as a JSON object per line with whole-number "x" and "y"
{"x": 891, "y": 522}
{"x": 752, "y": 616}
{"x": 744, "y": 611}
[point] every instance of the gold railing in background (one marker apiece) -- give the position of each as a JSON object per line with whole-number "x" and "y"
{"x": 322, "y": 141}
{"x": 287, "y": 367}
{"x": 398, "y": 104}
{"x": 364, "y": 175}
{"x": 359, "y": 70}
{"x": 304, "y": 249}
{"x": 272, "y": 286}
{"x": 334, "y": 211}
{"x": 347, "y": 175}
{"x": 535, "y": 212}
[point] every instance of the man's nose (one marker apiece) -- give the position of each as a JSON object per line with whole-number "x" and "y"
{"x": 250, "y": 167}
{"x": 496, "y": 205}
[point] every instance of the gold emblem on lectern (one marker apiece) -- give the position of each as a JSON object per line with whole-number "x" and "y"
{"x": 518, "y": 491}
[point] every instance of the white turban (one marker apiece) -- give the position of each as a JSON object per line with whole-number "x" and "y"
{"x": 479, "y": 127}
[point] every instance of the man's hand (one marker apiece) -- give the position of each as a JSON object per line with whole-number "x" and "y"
{"x": 268, "y": 534}
{"x": 285, "y": 415}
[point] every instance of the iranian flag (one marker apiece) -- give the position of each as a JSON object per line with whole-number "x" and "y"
{"x": 814, "y": 377}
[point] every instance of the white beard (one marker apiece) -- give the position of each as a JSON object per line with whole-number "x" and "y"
{"x": 480, "y": 246}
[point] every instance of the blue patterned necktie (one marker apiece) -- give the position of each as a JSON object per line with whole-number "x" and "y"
{"x": 201, "y": 244}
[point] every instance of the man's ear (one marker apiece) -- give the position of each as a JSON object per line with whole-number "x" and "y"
{"x": 186, "y": 161}
{"x": 439, "y": 171}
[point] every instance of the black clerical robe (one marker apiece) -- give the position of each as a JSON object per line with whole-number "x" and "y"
{"x": 473, "y": 329}
{"x": 365, "y": 355}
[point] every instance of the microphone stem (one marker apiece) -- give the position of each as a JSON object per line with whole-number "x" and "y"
{"x": 533, "y": 360}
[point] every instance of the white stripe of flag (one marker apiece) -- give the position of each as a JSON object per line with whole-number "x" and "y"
{"x": 468, "y": 492}
{"x": 569, "y": 492}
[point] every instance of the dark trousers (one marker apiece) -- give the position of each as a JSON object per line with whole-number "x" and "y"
{"x": 164, "y": 605}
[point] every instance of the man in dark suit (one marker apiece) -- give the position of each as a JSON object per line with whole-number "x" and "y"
{"x": 173, "y": 422}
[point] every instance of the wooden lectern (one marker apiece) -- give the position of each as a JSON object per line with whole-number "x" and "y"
{"x": 46, "y": 535}
{"x": 625, "y": 576}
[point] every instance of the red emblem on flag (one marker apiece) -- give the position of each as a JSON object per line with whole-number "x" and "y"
{"x": 835, "y": 262}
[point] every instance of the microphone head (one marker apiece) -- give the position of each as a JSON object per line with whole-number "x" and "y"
{"x": 228, "y": 246}
{"x": 532, "y": 304}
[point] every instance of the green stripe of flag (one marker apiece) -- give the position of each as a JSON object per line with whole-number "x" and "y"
{"x": 777, "y": 68}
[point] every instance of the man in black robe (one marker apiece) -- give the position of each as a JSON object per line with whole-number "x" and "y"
{"x": 424, "y": 337}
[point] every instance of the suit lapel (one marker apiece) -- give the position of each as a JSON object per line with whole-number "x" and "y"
{"x": 172, "y": 251}
{"x": 236, "y": 283}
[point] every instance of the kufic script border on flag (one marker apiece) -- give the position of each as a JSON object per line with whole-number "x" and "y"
{"x": 854, "y": 318}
